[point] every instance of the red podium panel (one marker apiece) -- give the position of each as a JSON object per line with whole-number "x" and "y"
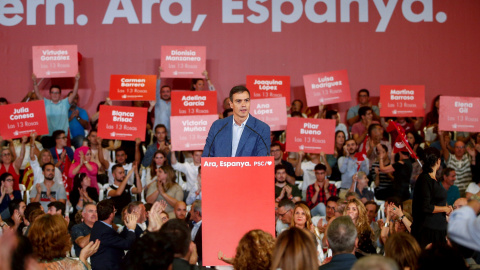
{"x": 238, "y": 195}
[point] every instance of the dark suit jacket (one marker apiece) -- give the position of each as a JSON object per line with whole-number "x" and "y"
{"x": 251, "y": 144}
{"x": 342, "y": 261}
{"x": 197, "y": 241}
{"x": 112, "y": 246}
{"x": 138, "y": 232}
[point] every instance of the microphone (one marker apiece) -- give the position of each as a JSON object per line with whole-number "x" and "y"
{"x": 210, "y": 148}
{"x": 260, "y": 138}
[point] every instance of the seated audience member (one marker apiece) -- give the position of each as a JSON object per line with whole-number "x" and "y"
{"x": 383, "y": 181}
{"x": 162, "y": 143}
{"x": 82, "y": 193}
{"x": 189, "y": 169}
{"x": 459, "y": 203}
{"x": 302, "y": 218}
{"x": 401, "y": 171}
{"x": 185, "y": 255}
{"x": 11, "y": 164}
{"x": 363, "y": 97}
{"x": 7, "y": 194}
{"x": 464, "y": 224}
{"x": 375, "y": 138}
{"x": 112, "y": 244}
{"x": 342, "y": 240}
{"x": 254, "y": 252}
{"x": 360, "y": 129}
{"x": 158, "y": 255}
{"x": 137, "y": 209}
{"x": 461, "y": 161}
{"x": 333, "y": 114}
{"x": 357, "y": 212}
{"x": 338, "y": 152}
{"x": 81, "y": 232}
{"x": 121, "y": 192}
{"x": 473, "y": 189}
{"x": 349, "y": 165}
{"x": 56, "y": 208}
{"x": 448, "y": 179}
{"x": 403, "y": 249}
{"x": 197, "y": 193}
{"x": 159, "y": 160}
{"x": 285, "y": 214}
{"x": 48, "y": 191}
{"x": 121, "y": 159}
{"x": 83, "y": 164}
{"x": 277, "y": 153}
{"x": 16, "y": 207}
{"x": 375, "y": 262}
{"x": 165, "y": 189}
{"x": 37, "y": 164}
{"x": 322, "y": 221}
{"x": 441, "y": 256}
{"x": 307, "y": 169}
{"x": 284, "y": 190}
{"x": 180, "y": 210}
{"x": 62, "y": 154}
{"x": 295, "y": 250}
{"x": 360, "y": 187}
{"x": 372, "y": 209}
{"x": 77, "y": 121}
{"x": 351, "y": 195}
{"x": 195, "y": 225}
{"x": 51, "y": 242}
{"x": 319, "y": 192}
{"x": 396, "y": 221}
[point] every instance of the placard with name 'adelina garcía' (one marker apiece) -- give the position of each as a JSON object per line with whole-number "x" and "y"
{"x": 193, "y": 102}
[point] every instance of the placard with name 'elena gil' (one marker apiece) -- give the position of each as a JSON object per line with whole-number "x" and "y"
{"x": 190, "y": 132}
{"x": 327, "y": 88}
{"x": 402, "y": 100}
{"x": 122, "y": 123}
{"x": 133, "y": 87}
{"x": 459, "y": 114}
{"x": 310, "y": 135}
{"x": 269, "y": 87}
{"x": 183, "y": 61}
{"x": 57, "y": 61}
{"x": 22, "y": 119}
{"x": 193, "y": 102}
{"x": 271, "y": 111}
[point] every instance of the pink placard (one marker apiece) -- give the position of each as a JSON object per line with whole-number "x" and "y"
{"x": 402, "y": 100}
{"x": 327, "y": 88}
{"x": 269, "y": 87}
{"x": 122, "y": 123}
{"x": 271, "y": 111}
{"x": 459, "y": 114}
{"x": 230, "y": 208}
{"x": 310, "y": 135}
{"x": 190, "y": 132}
{"x": 22, "y": 119}
{"x": 193, "y": 102}
{"x": 55, "y": 61}
{"x": 183, "y": 61}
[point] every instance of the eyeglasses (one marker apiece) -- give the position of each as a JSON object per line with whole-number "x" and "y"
{"x": 55, "y": 93}
{"x": 6, "y": 154}
{"x": 281, "y": 215}
{"x": 9, "y": 180}
{"x": 62, "y": 138}
{"x": 273, "y": 151}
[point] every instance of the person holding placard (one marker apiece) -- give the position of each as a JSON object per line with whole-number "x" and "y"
{"x": 240, "y": 135}
{"x": 199, "y": 84}
{"x": 161, "y": 144}
{"x": 360, "y": 129}
{"x": 78, "y": 121}
{"x": 163, "y": 104}
{"x": 57, "y": 108}
{"x": 353, "y": 115}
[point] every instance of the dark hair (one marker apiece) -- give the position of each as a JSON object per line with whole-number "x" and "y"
{"x": 372, "y": 127}
{"x": 320, "y": 167}
{"x": 295, "y": 114}
{"x": 55, "y": 86}
{"x": 279, "y": 167}
{"x": 77, "y": 181}
{"x": 276, "y": 144}
{"x": 166, "y": 85}
{"x": 194, "y": 81}
{"x": 330, "y": 113}
{"x": 30, "y": 208}
{"x": 160, "y": 126}
{"x": 446, "y": 172}
{"x": 132, "y": 205}
{"x": 432, "y": 155}
{"x": 238, "y": 90}
{"x": 57, "y": 133}
{"x": 287, "y": 204}
{"x": 105, "y": 208}
{"x": 99, "y": 104}
{"x": 298, "y": 100}
{"x": 372, "y": 203}
{"x": 47, "y": 164}
{"x": 158, "y": 255}
{"x": 14, "y": 205}
{"x": 434, "y": 258}
{"x": 363, "y": 111}
{"x": 333, "y": 199}
{"x": 226, "y": 112}
{"x": 22, "y": 252}
{"x": 114, "y": 167}
{"x": 59, "y": 206}
{"x": 4, "y": 176}
{"x": 3, "y": 100}
{"x": 364, "y": 91}
{"x": 177, "y": 232}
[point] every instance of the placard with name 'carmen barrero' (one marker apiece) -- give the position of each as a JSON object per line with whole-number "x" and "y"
{"x": 133, "y": 87}
{"x": 22, "y": 119}
{"x": 122, "y": 123}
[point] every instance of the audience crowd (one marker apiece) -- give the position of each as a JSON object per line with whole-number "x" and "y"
{"x": 71, "y": 200}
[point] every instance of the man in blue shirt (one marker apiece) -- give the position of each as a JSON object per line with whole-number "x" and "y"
{"x": 78, "y": 121}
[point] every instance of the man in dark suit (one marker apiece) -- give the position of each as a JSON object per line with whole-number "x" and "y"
{"x": 112, "y": 245}
{"x": 239, "y": 135}
{"x": 195, "y": 225}
{"x": 342, "y": 239}
{"x": 137, "y": 208}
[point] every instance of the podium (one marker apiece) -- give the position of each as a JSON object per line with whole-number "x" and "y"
{"x": 238, "y": 195}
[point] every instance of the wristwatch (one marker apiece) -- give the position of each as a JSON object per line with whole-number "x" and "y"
{"x": 386, "y": 224}
{"x": 78, "y": 118}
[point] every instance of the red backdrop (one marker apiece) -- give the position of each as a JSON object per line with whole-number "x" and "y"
{"x": 442, "y": 56}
